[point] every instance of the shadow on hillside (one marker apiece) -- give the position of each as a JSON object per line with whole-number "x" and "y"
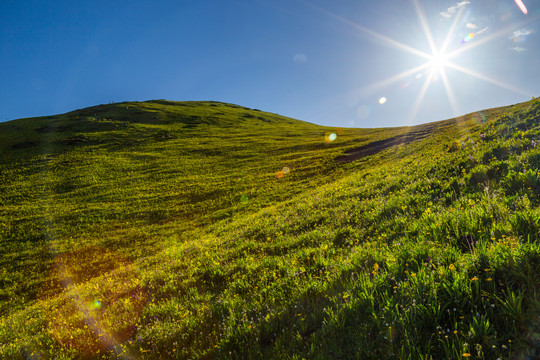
{"x": 378, "y": 146}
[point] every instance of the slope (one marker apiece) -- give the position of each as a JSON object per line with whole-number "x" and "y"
{"x": 208, "y": 230}
{"x": 112, "y": 175}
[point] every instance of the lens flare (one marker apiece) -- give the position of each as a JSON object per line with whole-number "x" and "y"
{"x": 467, "y": 38}
{"x": 95, "y": 297}
{"x": 328, "y": 138}
{"x": 284, "y": 171}
{"x": 479, "y": 117}
{"x": 521, "y": 6}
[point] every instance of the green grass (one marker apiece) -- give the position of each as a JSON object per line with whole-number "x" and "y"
{"x": 198, "y": 230}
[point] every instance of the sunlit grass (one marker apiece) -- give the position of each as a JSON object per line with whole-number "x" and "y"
{"x": 206, "y": 230}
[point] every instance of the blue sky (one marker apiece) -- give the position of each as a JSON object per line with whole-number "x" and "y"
{"x": 329, "y": 62}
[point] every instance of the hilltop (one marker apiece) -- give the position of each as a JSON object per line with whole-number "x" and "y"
{"x": 166, "y": 229}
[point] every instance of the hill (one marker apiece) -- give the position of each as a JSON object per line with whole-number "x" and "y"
{"x": 184, "y": 230}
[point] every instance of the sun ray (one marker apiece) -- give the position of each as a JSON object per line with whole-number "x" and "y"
{"x": 370, "y": 89}
{"x": 419, "y": 98}
{"x": 393, "y": 79}
{"x": 488, "y": 79}
{"x": 385, "y": 39}
{"x": 425, "y": 26}
{"x": 451, "y": 97}
{"x": 452, "y": 30}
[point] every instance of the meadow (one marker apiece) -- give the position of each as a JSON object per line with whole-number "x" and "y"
{"x": 205, "y": 230}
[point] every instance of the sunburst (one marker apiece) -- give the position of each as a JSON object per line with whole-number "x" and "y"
{"x": 437, "y": 61}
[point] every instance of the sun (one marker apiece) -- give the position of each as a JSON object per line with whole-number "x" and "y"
{"x": 437, "y": 63}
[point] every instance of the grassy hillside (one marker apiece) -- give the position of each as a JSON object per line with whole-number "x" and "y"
{"x": 207, "y": 230}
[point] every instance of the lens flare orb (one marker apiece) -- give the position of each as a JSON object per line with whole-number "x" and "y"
{"x": 467, "y": 38}
{"x": 329, "y": 137}
{"x": 521, "y": 6}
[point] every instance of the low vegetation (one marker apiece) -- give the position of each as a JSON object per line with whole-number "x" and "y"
{"x": 201, "y": 230}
